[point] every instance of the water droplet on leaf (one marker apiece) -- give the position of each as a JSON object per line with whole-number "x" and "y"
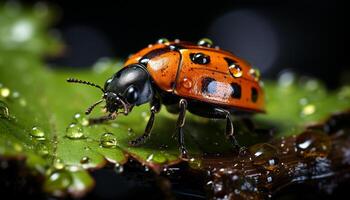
{"x": 74, "y": 131}
{"x": 308, "y": 109}
{"x": 108, "y": 140}
{"x": 58, "y": 182}
{"x": 311, "y": 143}
{"x": 58, "y": 163}
{"x": 85, "y": 160}
{"x": 265, "y": 155}
{"x": 37, "y": 133}
{"x": 4, "y": 92}
{"x": 286, "y": 79}
{"x": 118, "y": 168}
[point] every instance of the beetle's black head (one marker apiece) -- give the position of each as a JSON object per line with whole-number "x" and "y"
{"x": 128, "y": 87}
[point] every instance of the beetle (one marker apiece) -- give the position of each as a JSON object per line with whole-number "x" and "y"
{"x": 200, "y": 78}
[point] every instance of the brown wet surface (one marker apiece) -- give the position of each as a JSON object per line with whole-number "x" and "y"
{"x": 321, "y": 153}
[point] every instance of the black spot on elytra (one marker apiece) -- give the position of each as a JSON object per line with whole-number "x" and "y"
{"x": 236, "y": 91}
{"x": 254, "y": 94}
{"x": 208, "y": 85}
{"x": 229, "y": 61}
{"x": 200, "y": 58}
{"x": 152, "y": 54}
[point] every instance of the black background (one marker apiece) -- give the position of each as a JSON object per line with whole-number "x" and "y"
{"x": 311, "y": 35}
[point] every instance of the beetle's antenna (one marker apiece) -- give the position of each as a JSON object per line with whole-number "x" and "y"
{"x": 73, "y": 80}
{"x": 88, "y": 111}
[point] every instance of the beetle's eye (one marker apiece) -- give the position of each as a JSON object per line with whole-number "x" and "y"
{"x": 107, "y": 83}
{"x": 132, "y": 95}
{"x": 200, "y": 58}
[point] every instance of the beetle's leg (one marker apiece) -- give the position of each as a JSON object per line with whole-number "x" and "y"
{"x": 179, "y": 127}
{"x": 229, "y": 128}
{"x": 155, "y": 108}
{"x": 102, "y": 119}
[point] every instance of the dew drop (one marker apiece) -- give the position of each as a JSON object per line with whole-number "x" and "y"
{"x": 79, "y": 118}
{"x": 58, "y": 182}
{"x": 255, "y": 73}
{"x": 22, "y": 102}
{"x": 37, "y": 133}
{"x": 162, "y": 41}
{"x": 313, "y": 144}
{"x": 312, "y": 85}
{"x": 146, "y": 169}
{"x": 118, "y": 168}
{"x": 74, "y": 131}
{"x": 269, "y": 179}
{"x": 235, "y": 70}
{"x": 286, "y": 79}
{"x": 58, "y": 163}
{"x": 5, "y": 92}
{"x": 186, "y": 83}
{"x": 205, "y": 42}
{"x": 85, "y": 160}
{"x": 43, "y": 150}
{"x": 15, "y": 95}
{"x": 308, "y": 109}
{"x": 265, "y": 155}
{"x": 108, "y": 140}
{"x": 17, "y": 147}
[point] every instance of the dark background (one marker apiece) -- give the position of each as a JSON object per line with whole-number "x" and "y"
{"x": 306, "y": 36}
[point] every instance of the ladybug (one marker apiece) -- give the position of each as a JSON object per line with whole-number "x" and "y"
{"x": 200, "y": 78}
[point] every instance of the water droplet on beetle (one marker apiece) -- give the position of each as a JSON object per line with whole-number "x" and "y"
{"x": 118, "y": 168}
{"x": 162, "y": 41}
{"x": 186, "y": 83}
{"x": 313, "y": 144}
{"x": 37, "y": 133}
{"x": 235, "y": 70}
{"x": 108, "y": 140}
{"x": 205, "y": 42}
{"x": 255, "y": 73}
{"x": 266, "y": 155}
{"x": 85, "y": 160}
{"x": 81, "y": 119}
{"x": 74, "y": 131}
